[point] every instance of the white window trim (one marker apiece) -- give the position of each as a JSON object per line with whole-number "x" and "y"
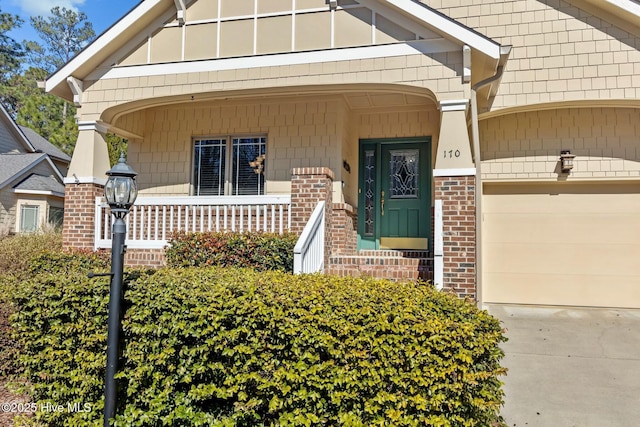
{"x": 37, "y": 211}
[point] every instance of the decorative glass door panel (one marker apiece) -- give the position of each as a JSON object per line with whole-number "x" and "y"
{"x": 404, "y": 174}
{"x": 369, "y": 192}
{"x": 394, "y": 194}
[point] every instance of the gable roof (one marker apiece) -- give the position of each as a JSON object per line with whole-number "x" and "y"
{"x": 30, "y": 140}
{"x": 14, "y": 165}
{"x": 444, "y": 25}
{"x": 18, "y": 136}
{"x": 41, "y": 144}
{"x": 104, "y": 45}
{"x": 39, "y": 184}
{"x": 148, "y": 12}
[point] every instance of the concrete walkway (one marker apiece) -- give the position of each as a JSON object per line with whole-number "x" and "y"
{"x": 571, "y": 367}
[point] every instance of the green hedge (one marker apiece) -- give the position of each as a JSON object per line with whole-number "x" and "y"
{"x": 16, "y": 252}
{"x": 230, "y": 347}
{"x": 257, "y": 250}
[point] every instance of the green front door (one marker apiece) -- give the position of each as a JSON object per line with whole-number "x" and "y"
{"x": 394, "y": 206}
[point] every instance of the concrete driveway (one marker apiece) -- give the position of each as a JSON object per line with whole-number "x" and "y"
{"x": 571, "y": 367}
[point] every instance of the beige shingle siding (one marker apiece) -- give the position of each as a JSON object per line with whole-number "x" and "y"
{"x": 560, "y": 52}
{"x": 299, "y": 134}
{"x": 421, "y": 71}
{"x": 528, "y": 145}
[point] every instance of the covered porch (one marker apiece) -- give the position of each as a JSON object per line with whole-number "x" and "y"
{"x": 362, "y": 107}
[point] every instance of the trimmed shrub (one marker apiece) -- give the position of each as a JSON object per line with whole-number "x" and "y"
{"x": 75, "y": 261}
{"x": 231, "y": 347}
{"x": 257, "y": 250}
{"x": 16, "y": 252}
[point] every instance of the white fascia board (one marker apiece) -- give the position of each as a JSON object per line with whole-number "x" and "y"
{"x": 39, "y": 192}
{"x": 100, "y": 43}
{"x": 296, "y": 58}
{"x": 448, "y": 26}
{"x": 626, "y": 5}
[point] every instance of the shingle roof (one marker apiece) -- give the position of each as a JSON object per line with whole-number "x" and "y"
{"x": 41, "y": 183}
{"x": 43, "y": 145}
{"x": 12, "y": 164}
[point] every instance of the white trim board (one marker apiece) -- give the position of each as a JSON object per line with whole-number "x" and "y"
{"x": 454, "y": 172}
{"x": 71, "y": 180}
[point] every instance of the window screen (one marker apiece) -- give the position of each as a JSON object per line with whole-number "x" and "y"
{"x": 28, "y": 219}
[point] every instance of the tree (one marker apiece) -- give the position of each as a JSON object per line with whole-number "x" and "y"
{"x": 64, "y": 33}
{"x": 11, "y": 55}
{"x": 43, "y": 112}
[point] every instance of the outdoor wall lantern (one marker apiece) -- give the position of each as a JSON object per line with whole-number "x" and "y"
{"x": 566, "y": 161}
{"x": 120, "y": 191}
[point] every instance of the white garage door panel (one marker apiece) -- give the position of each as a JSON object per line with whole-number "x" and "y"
{"x": 562, "y": 244}
{"x": 553, "y": 227}
{"x": 572, "y": 260}
{"x": 594, "y": 291}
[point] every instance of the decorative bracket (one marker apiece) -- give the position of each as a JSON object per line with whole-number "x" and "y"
{"x": 76, "y": 87}
{"x": 181, "y": 11}
{"x": 466, "y": 64}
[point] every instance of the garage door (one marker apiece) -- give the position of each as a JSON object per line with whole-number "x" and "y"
{"x": 562, "y": 244}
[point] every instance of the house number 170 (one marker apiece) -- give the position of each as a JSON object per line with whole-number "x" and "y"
{"x": 451, "y": 153}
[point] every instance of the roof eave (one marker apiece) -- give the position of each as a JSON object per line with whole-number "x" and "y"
{"x": 87, "y": 59}
{"x": 444, "y": 25}
{"x": 19, "y": 133}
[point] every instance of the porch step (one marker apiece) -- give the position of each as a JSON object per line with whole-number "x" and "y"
{"x": 385, "y": 264}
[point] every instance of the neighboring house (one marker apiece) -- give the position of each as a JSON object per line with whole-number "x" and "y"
{"x": 433, "y": 131}
{"x": 31, "y": 179}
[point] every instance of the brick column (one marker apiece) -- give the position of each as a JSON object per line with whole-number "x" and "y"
{"x": 459, "y": 232}
{"x": 344, "y": 232}
{"x": 78, "y": 228}
{"x": 308, "y": 187}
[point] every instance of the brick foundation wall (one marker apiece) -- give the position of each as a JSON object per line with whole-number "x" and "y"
{"x": 79, "y": 215}
{"x": 308, "y": 187}
{"x": 459, "y": 233}
{"x": 152, "y": 258}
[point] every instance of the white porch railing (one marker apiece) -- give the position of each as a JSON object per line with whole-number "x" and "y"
{"x": 152, "y": 219}
{"x": 308, "y": 254}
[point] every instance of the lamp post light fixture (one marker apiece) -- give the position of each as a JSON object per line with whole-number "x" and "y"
{"x": 566, "y": 161}
{"x": 120, "y": 191}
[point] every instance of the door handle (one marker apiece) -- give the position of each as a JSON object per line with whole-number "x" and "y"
{"x": 382, "y": 202}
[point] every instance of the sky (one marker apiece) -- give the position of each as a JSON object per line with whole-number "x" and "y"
{"x": 101, "y": 13}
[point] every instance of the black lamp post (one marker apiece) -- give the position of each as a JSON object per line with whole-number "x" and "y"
{"x": 120, "y": 191}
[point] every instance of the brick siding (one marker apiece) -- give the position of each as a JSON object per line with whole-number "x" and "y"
{"x": 459, "y": 233}
{"x": 79, "y": 215}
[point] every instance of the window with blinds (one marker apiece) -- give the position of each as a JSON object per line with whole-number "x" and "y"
{"x": 229, "y": 166}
